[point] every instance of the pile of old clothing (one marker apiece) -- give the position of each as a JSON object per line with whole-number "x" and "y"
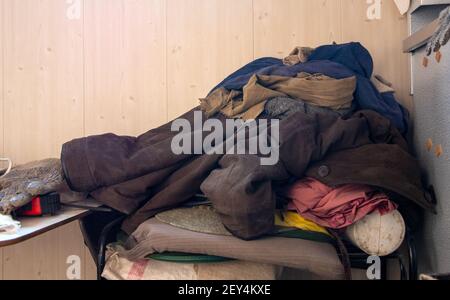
{"x": 342, "y": 155}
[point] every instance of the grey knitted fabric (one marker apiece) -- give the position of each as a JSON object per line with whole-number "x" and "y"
{"x": 283, "y": 107}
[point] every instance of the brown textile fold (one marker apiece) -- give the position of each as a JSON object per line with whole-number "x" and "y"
{"x": 142, "y": 176}
{"x": 297, "y": 56}
{"x": 315, "y": 89}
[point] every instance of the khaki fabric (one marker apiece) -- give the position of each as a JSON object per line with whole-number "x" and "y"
{"x": 382, "y": 85}
{"x": 154, "y": 236}
{"x": 314, "y": 89}
{"x": 297, "y": 56}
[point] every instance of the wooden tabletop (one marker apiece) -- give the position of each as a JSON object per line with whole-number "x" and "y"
{"x": 34, "y": 226}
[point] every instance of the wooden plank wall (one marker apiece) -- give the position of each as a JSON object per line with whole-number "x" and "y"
{"x": 126, "y": 66}
{"x": 43, "y": 107}
{"x": 206, "y": 40}
{"x": 384, "y": 39}
{"x": 1, "y": 110}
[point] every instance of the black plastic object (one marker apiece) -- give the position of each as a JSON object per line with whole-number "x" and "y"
{"x": 48, "y": 204}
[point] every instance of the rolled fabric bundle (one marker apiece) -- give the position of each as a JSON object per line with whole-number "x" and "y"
{"x": 378, "y": 234}
{"x": 120, "y": 268}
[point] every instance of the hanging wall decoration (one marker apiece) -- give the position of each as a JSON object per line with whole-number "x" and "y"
{"x": 441, "y": 36}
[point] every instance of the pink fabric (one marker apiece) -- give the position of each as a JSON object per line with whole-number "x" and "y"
{"x": 138, "y": 269}
{"x": 336, "y": 207}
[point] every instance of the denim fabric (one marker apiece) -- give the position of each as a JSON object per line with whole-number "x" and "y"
{"x": 337, "y": 61}
{"x": 328, "y": 68}
{"x": 282, "y": 107}
{"x": 248, "y": 70}
{"x": 355, "y": 57}
{"x": 352, "y": 55}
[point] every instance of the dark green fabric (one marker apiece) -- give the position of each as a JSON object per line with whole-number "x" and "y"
{"x": 187, "y": 258}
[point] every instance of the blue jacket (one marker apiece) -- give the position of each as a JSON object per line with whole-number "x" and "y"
{"x": 336, "y": 61}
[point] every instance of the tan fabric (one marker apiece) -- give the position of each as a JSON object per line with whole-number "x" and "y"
{"x": 120, "y": 268}
{"x": 298, "y": 55}
{"x": 315, "y": 89}
{"x": 154, "y": 236}
{"x": 382, "y": 85}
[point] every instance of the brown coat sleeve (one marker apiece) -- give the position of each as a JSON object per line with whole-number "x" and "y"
{"x": 241, "y": 188}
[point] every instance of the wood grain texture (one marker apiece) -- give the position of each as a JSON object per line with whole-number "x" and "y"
{"x": 43, "y": 89}
{"x": 44, "y": 257}
{"x": 90, "y": 269}
{"x": 206, "y": 40}
{"x": 1, "y": 108}
{"x": 1, "y": 81}
{"x": 280, "y": 26}
{"x": 43, "y": 108}
{"x": 383, "y": 38}
{"x": 125, "y": 71}
{"x": 1, "y": 264}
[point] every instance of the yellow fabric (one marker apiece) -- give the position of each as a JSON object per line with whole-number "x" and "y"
{"x": 293, "y": 219}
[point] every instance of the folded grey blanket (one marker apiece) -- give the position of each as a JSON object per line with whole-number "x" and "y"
{"x": 153, "y": 236}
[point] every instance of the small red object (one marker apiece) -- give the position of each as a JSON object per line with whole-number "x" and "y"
{"x": 40, "y": 206}
{"x": 34, "y": 210}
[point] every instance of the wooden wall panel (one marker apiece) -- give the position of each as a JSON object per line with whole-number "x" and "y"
{"x": 383, "y": 37}
{"x": 1, "y": 264}
{"x": 282, "y": 25}
{"x": 44, "y": 257}
{"x": 125, "y": 71}
{"x": 43, "y": 107}
{"x": 1, "y": 109}
{"x": 1, "y": 81}
{"x": 207, "y": 40}
{"x": 43, "y": 89}
{"x": 90, "y": 269}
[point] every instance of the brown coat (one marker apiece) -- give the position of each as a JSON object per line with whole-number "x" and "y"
{"x": 141, "y": 176}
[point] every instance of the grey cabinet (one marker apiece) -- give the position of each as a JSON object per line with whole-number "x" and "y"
{"x": 431, "y": 90}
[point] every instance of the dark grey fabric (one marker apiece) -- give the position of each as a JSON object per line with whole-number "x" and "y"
{"x": 283, "y": 107}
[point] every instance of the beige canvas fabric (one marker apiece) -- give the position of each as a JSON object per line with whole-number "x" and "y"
{"x": 297, "y": 56}
{"x": 154, "y": 236}
{"x": 382, "y": 85}
{"x": 120, "y": 268}
{"x": 315, "y": 89}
